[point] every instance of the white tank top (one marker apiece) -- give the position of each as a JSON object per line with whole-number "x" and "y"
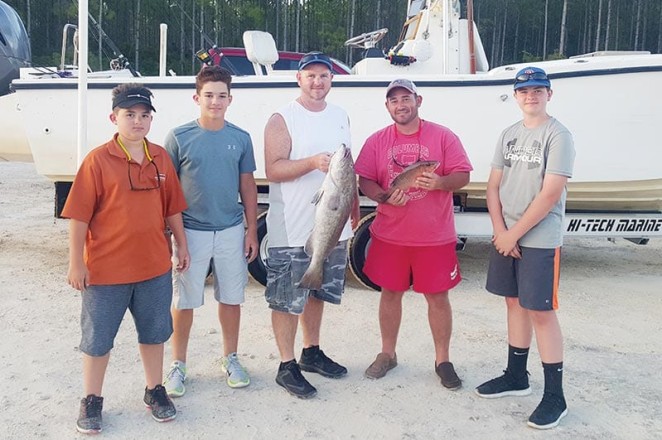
{"x": 291, "y": 211}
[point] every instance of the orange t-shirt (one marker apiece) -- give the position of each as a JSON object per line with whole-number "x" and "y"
{"x": 125, "y": 240}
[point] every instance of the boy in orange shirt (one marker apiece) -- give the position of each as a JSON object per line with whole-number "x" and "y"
{"x": 124, "y": 194}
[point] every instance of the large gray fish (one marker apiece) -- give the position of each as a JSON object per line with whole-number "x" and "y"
{"x": 335, "y": 201}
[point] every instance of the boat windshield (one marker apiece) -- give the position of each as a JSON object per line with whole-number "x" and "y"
{"x": 415, "y": 7}
{"x": 415, "y": 14}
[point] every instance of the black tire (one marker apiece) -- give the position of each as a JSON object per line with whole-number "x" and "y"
{"x": 257, "y": 268}
{"x": 358, "y": 250}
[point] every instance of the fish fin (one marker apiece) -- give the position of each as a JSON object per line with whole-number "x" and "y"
{"x": 312, "y": 279}
{"x": 318, "y": 196}
{"x": 308, "y": 247}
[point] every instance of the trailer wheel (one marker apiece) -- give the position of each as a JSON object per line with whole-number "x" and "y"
{"x": 257, "y": 267}
{"x": 358, "y": 250}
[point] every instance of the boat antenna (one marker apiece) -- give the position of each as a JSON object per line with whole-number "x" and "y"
{"x": 470, "y": 31}
{"x": 204, "y": 35}
{"x": 211, "y": 56}
{"x": 120, "y": 59}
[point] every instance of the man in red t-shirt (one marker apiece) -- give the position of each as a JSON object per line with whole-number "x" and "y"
{"x": 413, "y": 234}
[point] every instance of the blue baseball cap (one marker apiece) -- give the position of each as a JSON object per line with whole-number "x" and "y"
{"x": 531, "y": 77}
{"x": 315, "y": 57}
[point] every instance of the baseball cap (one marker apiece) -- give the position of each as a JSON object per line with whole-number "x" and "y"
{"x": 133, "y": 96}
{"x": 315, "y": 57}
{"x": 531, "y": 77}
{"x": 402, "y": 83}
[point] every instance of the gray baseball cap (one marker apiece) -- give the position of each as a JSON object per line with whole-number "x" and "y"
{"x": 403, "y": 84}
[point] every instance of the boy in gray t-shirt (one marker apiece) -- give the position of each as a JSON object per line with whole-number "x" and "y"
{"x": 215, "y": 163}
{"x": 526, "y": 201}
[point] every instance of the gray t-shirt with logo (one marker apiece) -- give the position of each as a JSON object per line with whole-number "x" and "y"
{"x": 209, "y": 164}
{"x": 525, "y": 156}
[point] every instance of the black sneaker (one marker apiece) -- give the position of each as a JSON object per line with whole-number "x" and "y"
{"x": 506, "y": 385}
{"x": 289, "y": 377}
{"x": 314, "y": 360}
{"x": 89, "y": 417}
{"x": 163, "y": 410}
{"x": 550, "y": 411}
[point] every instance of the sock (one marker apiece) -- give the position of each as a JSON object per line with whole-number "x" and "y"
{"x": 517, "y": 359}
{"x": 311, "y": 351}
{"x": 553, "y": 378}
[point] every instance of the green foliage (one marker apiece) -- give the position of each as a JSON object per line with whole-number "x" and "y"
{"x": 511, "y": 30}
{"x": 46, "y": 60}
{"x": 529, "y": 58}
{"x": 556, "y": 56}
{"x": 253, "y": 18}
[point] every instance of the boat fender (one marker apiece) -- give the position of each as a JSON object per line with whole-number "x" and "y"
{"x": 422, "y": 50}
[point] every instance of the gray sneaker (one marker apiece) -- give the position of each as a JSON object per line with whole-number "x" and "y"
{"x": 89, "y": 418}
{"x": 175, "y": 378}
{"x": 237, "y": 375}
{"x": 157, "y": 400}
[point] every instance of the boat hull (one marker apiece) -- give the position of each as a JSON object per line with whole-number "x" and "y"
{"x": 643, "y": 196}
{"x": 613, "y": 108}
{"x": 14, "y": 145}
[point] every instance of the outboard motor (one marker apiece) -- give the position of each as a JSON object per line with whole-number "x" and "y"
{"x": 14, "y": 46}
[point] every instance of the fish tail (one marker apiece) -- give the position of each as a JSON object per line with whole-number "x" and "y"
{"x": 385, "y": 196}
{"x": 312, "y": 279}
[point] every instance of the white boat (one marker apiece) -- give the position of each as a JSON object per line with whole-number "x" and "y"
{"x": 611, "y": 102}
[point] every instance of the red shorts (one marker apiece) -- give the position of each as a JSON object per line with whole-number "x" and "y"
{"x": 433, "y": 269}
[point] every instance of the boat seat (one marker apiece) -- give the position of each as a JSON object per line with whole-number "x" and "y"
{"x": 373, "y": 52}
{"x": 260, "y": 50}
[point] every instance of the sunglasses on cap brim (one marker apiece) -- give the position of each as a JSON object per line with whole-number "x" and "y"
{"x": 537, "y": 76}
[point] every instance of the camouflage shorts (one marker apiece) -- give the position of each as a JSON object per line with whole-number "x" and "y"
{"x": 286, "y": 266}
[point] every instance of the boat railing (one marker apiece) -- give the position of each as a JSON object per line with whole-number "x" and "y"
{"x": 74, "y": 40}
{"x": 607, "y": 53}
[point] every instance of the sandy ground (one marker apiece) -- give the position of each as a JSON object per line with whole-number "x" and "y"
{"x": 610, "y": 312}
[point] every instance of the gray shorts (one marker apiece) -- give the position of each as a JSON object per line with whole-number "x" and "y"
{"x": 534, "y": 278}
{"x": 286, "y": 266}
{"x": 104, "y": 306}
{"x": 224, "y": 250}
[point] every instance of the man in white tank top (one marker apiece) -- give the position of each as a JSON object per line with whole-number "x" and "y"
{"x": 298, "y": 140}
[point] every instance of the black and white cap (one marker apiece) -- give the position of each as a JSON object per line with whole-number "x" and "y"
{"x": 133, "y": 96}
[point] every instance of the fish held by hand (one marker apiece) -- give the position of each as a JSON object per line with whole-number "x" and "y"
{"x": 407, "y": 178}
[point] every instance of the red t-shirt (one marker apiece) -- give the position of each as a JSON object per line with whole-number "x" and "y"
{"x": 427, "y": 218}
{"x": 125, "y": 240}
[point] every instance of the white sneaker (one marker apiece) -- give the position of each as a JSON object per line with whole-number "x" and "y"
{"x": 175, "y": 378}
{"x": 237, "y": 375}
